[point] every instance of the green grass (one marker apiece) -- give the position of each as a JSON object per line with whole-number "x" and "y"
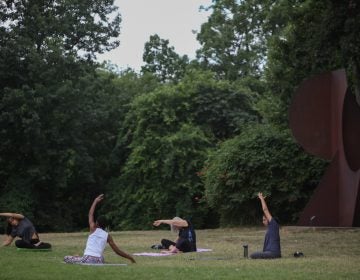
{"x": 329, "y": 254}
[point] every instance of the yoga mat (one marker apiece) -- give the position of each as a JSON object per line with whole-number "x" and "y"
{"x": 150, "y": 254}
{"x": 104, "y": 264}
{"x": 153, "y": 254}
{"x": 210, "y": 258}
{"x": 199, "y": 250}
{"x": 33, "y": 250}
{"x": 98, "y": 264}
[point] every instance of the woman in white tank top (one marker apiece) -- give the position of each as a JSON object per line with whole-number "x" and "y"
{"x": 97, "y": 240}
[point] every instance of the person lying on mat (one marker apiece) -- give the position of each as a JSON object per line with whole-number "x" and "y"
{"x": 20, "y": 226}
{"x": 97, "y": 240}
{"x": 186, "y": 240}
{"x": 271, "y": 249}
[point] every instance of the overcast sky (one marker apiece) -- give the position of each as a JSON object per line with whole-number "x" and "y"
{"x": 172, "y": 20}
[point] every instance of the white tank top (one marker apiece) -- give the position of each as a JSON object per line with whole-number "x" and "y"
{"x": 96, "y": 243}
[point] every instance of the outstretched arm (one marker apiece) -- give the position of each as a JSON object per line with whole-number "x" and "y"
{"x": 264, "y": 207}
{"x": 92, "y": 223}
{"x": 118, "y": 251}
{"x": 13, "y": 215}
{"x": 8, "y": 240}
{"x": 177, "y": 222}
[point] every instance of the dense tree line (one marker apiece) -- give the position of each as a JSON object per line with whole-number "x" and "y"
{"x": 196, "y": 138}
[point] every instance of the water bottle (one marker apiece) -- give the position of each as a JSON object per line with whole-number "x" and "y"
{"x": 246, "y": 247}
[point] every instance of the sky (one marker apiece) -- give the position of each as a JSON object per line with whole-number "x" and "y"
{"x": 172, "y": 20}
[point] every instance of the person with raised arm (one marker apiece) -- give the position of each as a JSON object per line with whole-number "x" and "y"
{"x": 95, "y": 246}
{"x": 271, "y": 248}
{"x": 20, "y": 226}
{"x": 186, "y": 240}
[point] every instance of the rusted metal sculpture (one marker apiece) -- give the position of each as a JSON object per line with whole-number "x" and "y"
{"x": 325, "y": 120}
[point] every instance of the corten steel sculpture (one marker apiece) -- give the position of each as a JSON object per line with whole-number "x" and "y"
{"x": 325, "y": 120}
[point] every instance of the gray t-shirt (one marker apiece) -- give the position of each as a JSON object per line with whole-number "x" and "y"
{"x": 272, "y": 238}
{"x": 25, "y": 230}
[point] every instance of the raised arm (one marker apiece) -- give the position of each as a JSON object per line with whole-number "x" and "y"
{"x": 13, "y": 215}
{"x": 92, "y": 223}
{"x": 9, "y": 239}
{"x": 174, "y": 222}
{"x": 118, "y": 251}
{"x": 264, "y": 207}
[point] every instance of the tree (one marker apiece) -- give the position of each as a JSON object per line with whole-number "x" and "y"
{"x": 219, "y": 107}
{"x": 263, "y": 158}
{"x": 43, "y": 41}
{"x": 167, "y": 136}
{"x": 162, "y": 60}
{"x": 315, "y": 37}
{"x": 159, "y": 177}
{"x": 56, "y": 147}
{"x": 233, "y": 42}
{"x": 57, "y": 113}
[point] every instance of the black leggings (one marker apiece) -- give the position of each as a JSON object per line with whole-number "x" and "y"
{"x": 182, "y": 244}
{"x": 166, "y": 243}
{"x": 265, "y": 255}
{"x": 31, "y": 245}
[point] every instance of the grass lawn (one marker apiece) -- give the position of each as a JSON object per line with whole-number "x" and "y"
{"x": 329, "y": 254}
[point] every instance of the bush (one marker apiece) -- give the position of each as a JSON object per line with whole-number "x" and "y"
{"x": 265, "y": 159}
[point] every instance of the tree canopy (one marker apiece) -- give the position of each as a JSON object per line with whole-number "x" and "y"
{"x": 194, "y": 138}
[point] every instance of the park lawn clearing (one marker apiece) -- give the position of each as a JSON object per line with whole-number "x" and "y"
{"x": 328, "y": 254}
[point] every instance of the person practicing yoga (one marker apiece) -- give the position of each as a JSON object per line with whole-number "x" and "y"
{"x": 20, "y": 226}
{"x": 271, "y": 249}
{"x": 97, "y": 240}
{"x": 186, "y": 240}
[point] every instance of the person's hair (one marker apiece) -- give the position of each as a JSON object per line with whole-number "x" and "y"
{"x": 101, "y": 222}
{"x": 175, "y": 229}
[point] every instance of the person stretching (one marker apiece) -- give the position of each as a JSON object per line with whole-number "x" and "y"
{"x": 97, "y": 240}
{"x": 271, "y": 249}
{"x": 186, "y": 240}
{"x": 20, "y": 226}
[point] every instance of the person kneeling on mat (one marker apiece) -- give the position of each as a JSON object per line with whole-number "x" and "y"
{"x": 97, "y": 240}
{"x": 20, "y": 226}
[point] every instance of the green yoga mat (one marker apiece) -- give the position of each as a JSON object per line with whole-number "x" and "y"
{"x": 33, "y": 250}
